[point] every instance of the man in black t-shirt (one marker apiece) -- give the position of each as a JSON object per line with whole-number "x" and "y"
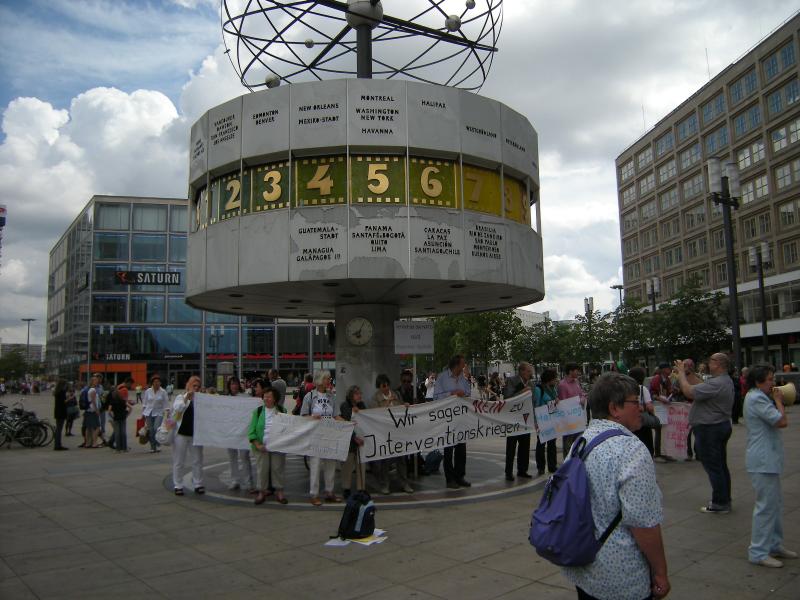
{"x": 119, "y": 409}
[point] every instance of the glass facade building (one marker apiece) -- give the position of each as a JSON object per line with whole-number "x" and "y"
{"x": 99, "y": 321}
{"x": 749, "y": 114}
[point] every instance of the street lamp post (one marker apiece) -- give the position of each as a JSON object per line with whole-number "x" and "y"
{"x": 725, "y": 191}
{"x": 758, "y": 256}
{"x": 588, "y": 305}
{"x": 28, "y": 343}
{"x": 619, "y": 288}
{"x": 653, "y": 291}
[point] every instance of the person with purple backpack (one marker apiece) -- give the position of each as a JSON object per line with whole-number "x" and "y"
{"x": 630, "y": 563}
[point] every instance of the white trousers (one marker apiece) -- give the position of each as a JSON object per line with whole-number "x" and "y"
{"x": 241, "y": 470}
{"x": 328, "y": 466}
{"x": 180, "y": 446}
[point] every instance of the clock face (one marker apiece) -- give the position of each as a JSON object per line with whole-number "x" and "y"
{"x": 358, "y": 331}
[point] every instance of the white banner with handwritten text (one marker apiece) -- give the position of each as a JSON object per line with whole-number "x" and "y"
{"x": 559, "y": 419}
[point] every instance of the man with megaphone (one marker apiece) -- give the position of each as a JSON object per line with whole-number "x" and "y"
{"x": 765, "y": 416}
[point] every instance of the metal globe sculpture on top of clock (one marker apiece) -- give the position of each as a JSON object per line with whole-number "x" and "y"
{"x": 363, "y": 199}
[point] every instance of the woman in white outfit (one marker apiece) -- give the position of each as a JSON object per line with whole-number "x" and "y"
{"x": 155, "y": 403}
{"x": 320, "y": 403}
{"x": 239, "y": 460}
{"x": 183, "y": 414}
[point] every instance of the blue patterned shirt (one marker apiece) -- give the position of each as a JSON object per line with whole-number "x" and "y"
{"x": 621, "y": 476}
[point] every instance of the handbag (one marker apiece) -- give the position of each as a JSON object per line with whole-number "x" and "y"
{"x": 649, "y": 420}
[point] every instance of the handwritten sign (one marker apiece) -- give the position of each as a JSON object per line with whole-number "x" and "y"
{"x": 413, "y": 337}
{"x": 676, "y": 432}
{"x": 662, "y": 412}
{"x": 325, "y": 438}
{"x": 565, "y": 418}
{"x": 401, "y": 430}
{"x": 222, "y": 421}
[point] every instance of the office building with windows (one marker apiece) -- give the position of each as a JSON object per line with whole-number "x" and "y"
{"x": 749, "y": 114}
{"x": 116, "y": 305}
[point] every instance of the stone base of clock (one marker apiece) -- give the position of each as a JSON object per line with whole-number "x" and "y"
{"x": 360, "y": 364}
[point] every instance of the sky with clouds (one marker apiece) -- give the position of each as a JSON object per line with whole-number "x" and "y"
{"x": 97, "y": 97}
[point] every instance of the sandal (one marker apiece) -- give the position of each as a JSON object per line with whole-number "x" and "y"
{"x": 316, "y": 501}
{"x": 281, "y": 499}
{"x": 179, "y": 491}
{"x": 259, "y": 498}
{"x": 332, "y": 498}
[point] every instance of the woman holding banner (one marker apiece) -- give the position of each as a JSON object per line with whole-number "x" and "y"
{"x": 183, "y": 415}
{"x": 320, "y": 403}
{"x": 385, "y": 397}
{"x": 546, "y": 394}
{"x": 645, "y": 432}
{"x": 239, "y": 460}
{"x": 352, "y": 404}
{"x": 271, "y": 465}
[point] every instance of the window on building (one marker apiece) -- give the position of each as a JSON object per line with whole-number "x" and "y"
{"x": 630, "y": 247}
{"x": 671, "y": 228}
{"x": 626, "y": 171}
{"x": 647, "y": 211}
{"x": 650, "y": 264}
{"x": 649, "y": 238}
{"x": 748, "y": 192}
{"x": 693, "y": 187}
{"x": 695, "y": 217}
{"x": 212, "y": 317}
{"x": 783, "y": 98}
{"x": 111, "y": 246}
{"x": 177, "y": 248}
{"x": 790, "y": 253}
{"x": 150, "y": 217}
{"x": 764, "y": 223}
{"x": 716, "y": 140}
{"x": 148, "y": 247}
{"x": 111, "y": 216}
{"x": 687, "y": 127}
{"x": 629, "y": 195}
{"x": 180, "y": 288}
{"x": 178, "y": 218}
{"x": 672, "y": 285}
{"x": 109, "y": 309}
{"x": 630, "y": 221}
{"x": 632, "y": 271}
{"x": 673, "y": 256}
{"x": 750, "y": 155}
{"x": 147, "y": 309}
{"x": 747, "y": 121}
{"x": 644, "y": 158}
{"x": 647, "y": 184}
{"x": 697, "y": 247}
{"x": 743, "y": 87}
{"x": 777, "y": 62}
{"x": 259, "y": 340}
{"x": 691, "y": 156}
{"x": 721, "y": 273}
{"x": 789, "y": 214}
{"x": 668, "y": 199}
{"x": 713, "y": 108}
{"x": 761, "y": 186}
{"x": 664, "y": 144}
{"x": 785, "y": 135}
{"x": 701, "y": 276}
{"x": 783, "y": 176}
{"x": 718, "y": 240}
{"x": 180, "y": 312}
{"x": 756, "y": 226}
{"x": 105, "y": 278}
{"x": 667, "y": 171}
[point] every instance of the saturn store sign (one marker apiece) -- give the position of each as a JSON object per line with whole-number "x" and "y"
{"x": 147, "y": 278}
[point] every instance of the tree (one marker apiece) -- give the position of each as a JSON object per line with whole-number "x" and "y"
{"x": 12, "y": 364}
{"x": 632, "y": 331}
{"x": 692, "y": 324}
{"x": 483, "y": 337}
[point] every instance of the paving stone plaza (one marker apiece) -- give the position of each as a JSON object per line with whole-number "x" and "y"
{"x": 93, "y": 523}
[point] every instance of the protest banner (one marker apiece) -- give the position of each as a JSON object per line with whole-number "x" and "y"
{"x": 326, "y": 438}
{"x": 562, "y": 418}
{"x": 674, "y": 434}
{"x": 662, "y": 412}
{"x": 222, "y": 421}
{"x": 401, "y": 430}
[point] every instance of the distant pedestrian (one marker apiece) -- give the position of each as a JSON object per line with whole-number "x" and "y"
{"x": 519, "y": 445}
{"x": 277, "y": 383}
{"x": 570, "y": 387}
{"x": 155, "y": 403}
{"x": 183, "y": 414}
{"x": 765, "y": 416}
{"x": 239, "y": 460}
{"x": 60, "y": 411}
{"x": 454, "y": 381}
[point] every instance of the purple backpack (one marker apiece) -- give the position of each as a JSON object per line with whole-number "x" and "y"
{"x": 562, "y": 527}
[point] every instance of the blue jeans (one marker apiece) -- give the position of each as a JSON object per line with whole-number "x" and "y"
{"x": 767, "y": 534}
{"x": 153, "y": 423}
{"x": 711, "y": 443}
{"x": 120, "y": 434}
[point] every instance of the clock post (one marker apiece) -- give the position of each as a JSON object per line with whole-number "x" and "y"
{"x": 365, "y": 346}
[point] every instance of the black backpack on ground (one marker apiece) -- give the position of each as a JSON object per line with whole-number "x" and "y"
{"x": 358, "y": 519}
